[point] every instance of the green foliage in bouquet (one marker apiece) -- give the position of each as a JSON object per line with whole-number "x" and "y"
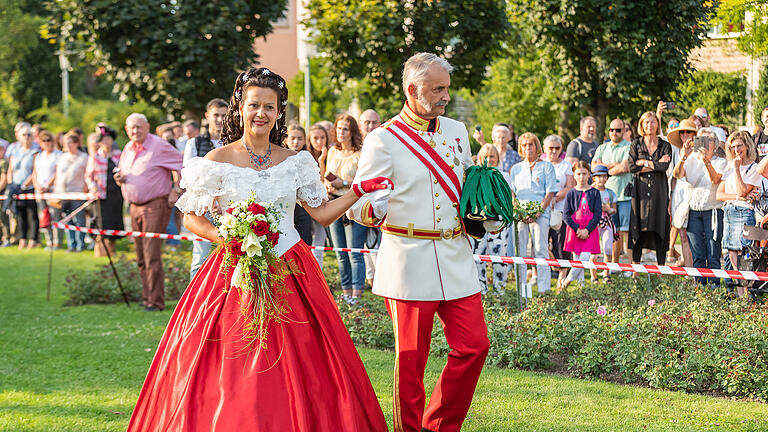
{"x": 486, "y": 193}
{"x": 523, "y": 211}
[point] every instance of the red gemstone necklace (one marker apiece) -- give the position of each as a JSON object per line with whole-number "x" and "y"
{"x": 260, "y": 161}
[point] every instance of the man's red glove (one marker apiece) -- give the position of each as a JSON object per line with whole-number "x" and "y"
{"x": 374, "y": 184}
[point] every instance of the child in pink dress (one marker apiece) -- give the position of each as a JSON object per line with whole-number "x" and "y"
{"x": 583, "y": 209}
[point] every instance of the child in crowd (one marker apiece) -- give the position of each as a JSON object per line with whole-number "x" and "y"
{"x": 607, "y": 230}
{"x": 491, "y": 243}
{"x": 583, "y": 210}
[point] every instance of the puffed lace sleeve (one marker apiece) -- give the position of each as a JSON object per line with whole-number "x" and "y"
{"x": 310, "y": 188}
{"x": 203, "y": 181}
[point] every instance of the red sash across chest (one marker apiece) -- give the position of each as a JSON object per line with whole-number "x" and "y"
{"x": 445, "y": 176}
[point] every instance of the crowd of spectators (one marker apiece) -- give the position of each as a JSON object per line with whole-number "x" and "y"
{"x": 678, "y": 195}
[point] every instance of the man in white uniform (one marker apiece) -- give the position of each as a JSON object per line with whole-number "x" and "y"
{"x": 425, "y": 264}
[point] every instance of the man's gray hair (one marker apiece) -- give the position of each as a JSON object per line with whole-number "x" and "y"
{"x": 20, "y": 125}
{"x": 417, "y": 66}
{"x": 136, "y": 116}
{"x": 586, "y": 119}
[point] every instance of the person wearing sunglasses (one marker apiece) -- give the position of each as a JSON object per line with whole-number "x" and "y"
{"x": 614, "y": 155}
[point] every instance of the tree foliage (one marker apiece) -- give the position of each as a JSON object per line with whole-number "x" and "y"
{"x": 732, "y": 17}
{"x": 28, "y": 67}
{"x": 517, "y": 92}
{"x": 722, "y": 94}
{"x": 371, "y": 39}
{"x": 330, "y": 97}
{"x": 760, "y": 98}
{"x": 613, "y": 57}
{"x": 174, "y": 54}
{"x": 86, "y": 113}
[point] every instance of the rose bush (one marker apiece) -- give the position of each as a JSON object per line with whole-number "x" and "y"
{"x": 667, "y": 333}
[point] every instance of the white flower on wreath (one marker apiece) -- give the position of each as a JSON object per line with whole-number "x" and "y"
{"x": 252, "y": 244}
{"x": 260, "y": 217}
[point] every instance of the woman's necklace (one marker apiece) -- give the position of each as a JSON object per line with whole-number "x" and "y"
{"x": 260, "y": 161}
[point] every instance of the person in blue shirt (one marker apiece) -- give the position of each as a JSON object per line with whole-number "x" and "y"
{"x": 533, "y": 179}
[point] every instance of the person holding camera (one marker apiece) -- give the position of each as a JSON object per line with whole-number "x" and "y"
{"x": 341, "y": 167}
{"x": 702, "y": 170}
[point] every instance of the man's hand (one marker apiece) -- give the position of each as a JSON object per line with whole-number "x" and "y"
{"x": 374, "y": 184}
{"x": 380, "y": 202}
{"x": 173, "y": 196}
{"x": 119, "y": 178}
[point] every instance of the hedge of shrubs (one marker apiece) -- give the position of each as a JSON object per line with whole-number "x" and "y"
{"x": 99, "y": 286}
{"x": 664, "y": 332}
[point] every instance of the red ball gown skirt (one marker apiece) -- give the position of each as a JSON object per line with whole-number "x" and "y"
{"x": 205, "y": 377}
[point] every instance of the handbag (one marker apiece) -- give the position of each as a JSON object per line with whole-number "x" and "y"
{"x": 628, "y": 189}
{"x": 555, "y": 219}
{"x": 45, "y": 219}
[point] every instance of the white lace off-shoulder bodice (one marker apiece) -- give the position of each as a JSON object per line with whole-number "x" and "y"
{"x": 297, "y": 178}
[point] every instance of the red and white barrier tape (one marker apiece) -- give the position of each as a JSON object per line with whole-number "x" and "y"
{"x": 633, "y": 268}
{"x": 78, "y": 196}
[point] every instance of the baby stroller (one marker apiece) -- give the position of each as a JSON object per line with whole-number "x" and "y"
{"x": 756, "y": 257}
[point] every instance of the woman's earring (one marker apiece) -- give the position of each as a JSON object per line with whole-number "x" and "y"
{"x": 241, "y": 121}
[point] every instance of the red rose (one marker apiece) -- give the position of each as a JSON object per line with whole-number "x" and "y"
{"x": 260, "y": 228}
{"x": 230, "y": 210}
{"x": 256, "y": 209}
{"x": 273, "y": 238}
{"x": 236, "y": 247}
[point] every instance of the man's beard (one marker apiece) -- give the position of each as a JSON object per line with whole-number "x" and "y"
{"x": 427, "y": 105}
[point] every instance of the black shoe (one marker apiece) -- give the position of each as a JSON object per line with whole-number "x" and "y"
{"x": 152, "y": 309}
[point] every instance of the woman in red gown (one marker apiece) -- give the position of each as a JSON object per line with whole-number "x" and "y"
{"x": 206, "y": 374}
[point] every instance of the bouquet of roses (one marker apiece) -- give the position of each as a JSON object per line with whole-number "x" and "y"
{"x": 526, "y": 211}
{"x": 250, "y": 232}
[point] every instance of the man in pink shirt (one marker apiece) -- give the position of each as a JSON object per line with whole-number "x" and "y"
{"x": 148, "y": 174}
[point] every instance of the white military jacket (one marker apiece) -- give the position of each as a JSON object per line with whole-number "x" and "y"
{"x": 424, "y": 253}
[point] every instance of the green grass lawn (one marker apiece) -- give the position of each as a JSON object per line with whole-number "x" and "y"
{"x": 81, "y": 368}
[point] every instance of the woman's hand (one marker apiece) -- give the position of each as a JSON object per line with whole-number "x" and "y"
{"x": 687, "y": 147}
{"x": 664, "y": 159}
{"x": 582, "y": 233}
{"x": 737, "y": 162}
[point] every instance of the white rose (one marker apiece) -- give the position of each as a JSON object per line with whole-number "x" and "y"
{"x": 252, "y": 244}
{"x": 261, "y": 217}
{"x": 251, "y": 217}
{"x": 227, "y": 220}
{"x": 238, "y": 276}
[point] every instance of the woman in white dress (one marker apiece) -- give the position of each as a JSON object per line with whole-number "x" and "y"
{"x": 206, "y": 374}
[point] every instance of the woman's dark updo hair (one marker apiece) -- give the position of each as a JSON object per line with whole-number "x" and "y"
{"x": 255, "y": 77}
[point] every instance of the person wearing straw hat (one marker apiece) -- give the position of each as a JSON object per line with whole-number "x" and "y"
{"x": 678, "y": 201}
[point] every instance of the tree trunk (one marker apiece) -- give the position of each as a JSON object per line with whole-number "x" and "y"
{"x": 599, "y": 110}
{"x": 562, "y": 128}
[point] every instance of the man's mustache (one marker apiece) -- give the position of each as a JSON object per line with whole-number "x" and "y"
{"x": 441, "y": 103}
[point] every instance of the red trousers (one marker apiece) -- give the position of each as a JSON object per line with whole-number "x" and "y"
{"x": 151, "y": 216}
{"x": 465, "y": 331}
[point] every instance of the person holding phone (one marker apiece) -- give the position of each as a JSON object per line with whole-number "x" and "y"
{"x": 340, "y": 170}
{"x": 702, "y": 169}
